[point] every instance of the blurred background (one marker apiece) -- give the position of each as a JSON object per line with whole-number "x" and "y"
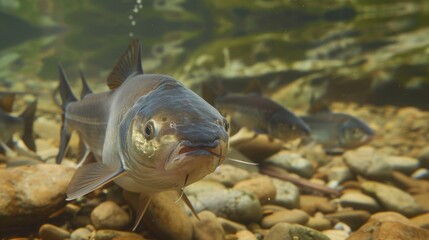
{"x": 372, "y": 52}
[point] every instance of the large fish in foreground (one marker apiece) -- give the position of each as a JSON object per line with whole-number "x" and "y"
{"x": 149, "y": 133}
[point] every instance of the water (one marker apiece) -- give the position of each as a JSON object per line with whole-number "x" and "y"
{"x": 331, "y": 48}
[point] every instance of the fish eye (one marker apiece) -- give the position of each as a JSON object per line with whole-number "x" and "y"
{"x": 149, "y": 130}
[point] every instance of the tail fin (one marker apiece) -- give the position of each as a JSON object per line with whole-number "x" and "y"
{"x": 85, "y": 87}
{"x": 28, "y": 117}
{"x": 67, "y": 97}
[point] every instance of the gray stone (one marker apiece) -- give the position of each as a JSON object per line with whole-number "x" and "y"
{"x": 52, "y": 232}
{"x": 392, "y": 198}
{"x": 286, "y": 231}
{"x": 228, "y": 175}
{"x": 292, "y": 162}
{"x": 336, "y": 234}
{"x": 339, "y": 174}
{"x": 261, "y": 187}
{"x": 28, "y": 194}
{"x": 203, "y": 186}
{"x": 287, "y": 194}
{"x": 401, "y": 163}
{"x": 80, "y": 234}
{"x": 232, "y": 204}
{"x": 366, "y": 162}
{"x": 288, "y": 216}
{"x": 108, "y": 215}
{"x": 359, "y": 201}
{"x": 208, "y": 227}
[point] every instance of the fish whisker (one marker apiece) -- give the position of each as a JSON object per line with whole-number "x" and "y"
{"x": 182, "y": 189}
{"x": 241, "y": 161}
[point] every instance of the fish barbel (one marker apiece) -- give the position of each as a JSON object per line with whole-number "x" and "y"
{"x": 149, "y": 133}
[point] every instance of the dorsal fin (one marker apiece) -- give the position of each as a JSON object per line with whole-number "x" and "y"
{"x": 129, "y": 64}
{"x": 85, "y": 87}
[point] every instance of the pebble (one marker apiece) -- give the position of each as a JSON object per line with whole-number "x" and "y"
{"x": 233, "y": 204}
{"x": 29, "y": 194}
{"x": 287, "y": 194}
{"x": 80, "y": 234}
{"x": 390, "y": 225}
{"x": 319, "y": 223}
{"x": 52, "y": 232}
{"x": 422, "y": 200}
{"x": 167, "y": 219}
{"x": 366, "y": 162}
{"x": 261, "y": 187}
{"x": 353, "y": 218}
{"x": 228, "y": 175}
{"x": 288, "y": 231}
{"x": 312, "y": 204}
{"x": 115, "y": 234}
{"x": 339, "y": 174}
{"x": 359, "y": 201}
{"x": 421, "y": 220}
{"x": 108, "y": 215}
{"x": 208, "y": 227}
{"x": 336, "y": 234}
{"x": 392, "y": 198}
{"x": 287, "y": 216}
{"x": 203, "y": 186}
{"x": 245, "y": 235}
{"x": 401, "y": 163}
{"x": 231, "y": 226}
{"x": 292, "y": 162}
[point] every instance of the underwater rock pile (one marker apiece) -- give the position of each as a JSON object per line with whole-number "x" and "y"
{"x": 382, "y": 186}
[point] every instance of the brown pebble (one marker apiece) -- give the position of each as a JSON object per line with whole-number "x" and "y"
{"x": 52, "y": 232}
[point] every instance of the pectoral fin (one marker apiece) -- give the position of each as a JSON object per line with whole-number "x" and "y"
{"x": 90, "y": 177}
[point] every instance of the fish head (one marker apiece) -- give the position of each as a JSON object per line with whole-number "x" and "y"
{"x": 174, "y": 141}
{"x": 286, "y": 126}
{"x": 354, "y": 133}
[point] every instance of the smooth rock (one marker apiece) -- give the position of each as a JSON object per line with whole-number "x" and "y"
{"x": 228, "y": 175}
{"x": 115, "y": 234}
{"x": 339, "y": 174}
{"x": 292, "y": 162}
{"x": 403, "y": 164}
{"x": 233, "y": 204}
{"x": 389, "y": 226}
{"x": 287, "y": 194}
{"x": 231, "y": 227}
{"x": 167, "y": 219}
{"x": 421, "y": 220}
{"x": 359, "y": 201}
{"x": 336, "y": 234}
{"x": 424, "y": 157}
{"x": 52, "y": 232}
{"x": 318, "y": 223}
{"x": 366, "y": 162}
{"x": 422, "y": 200}
{"x": 108, "y": 215}
{"x": 312, "y": 204}
{"x": 203, "y": 186}
{"x": 286, "y": 231}
{"x": 421, "y": 173}
{"x": 245, "y": 235}
{"x": 80, "y": 234}
{"x": 353, "y": 218}
{"x": 208, "y": 227}
{"x": 288, "y": 216}
{"x": 261, "y": 187}
{"x": 392, "y": 198}
{"x": 29, "y": 195}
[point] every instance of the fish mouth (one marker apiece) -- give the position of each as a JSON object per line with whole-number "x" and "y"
{"x": 186, "y": 151}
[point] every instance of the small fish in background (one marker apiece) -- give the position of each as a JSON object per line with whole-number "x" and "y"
{"x": 11, "y": 125}
{"x": 148, "y": 134}
{"x": 337, "y": 132}
{"x": 256, "y": 113}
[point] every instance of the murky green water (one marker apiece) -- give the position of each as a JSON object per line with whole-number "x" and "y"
{"x": 338, "y": 51}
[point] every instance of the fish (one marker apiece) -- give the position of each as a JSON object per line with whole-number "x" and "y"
{"x": 337, "y": 132}
{"x": 256, "y": 113}
{"x": 148, "y": 133}
{"x": 11, "y": 125}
